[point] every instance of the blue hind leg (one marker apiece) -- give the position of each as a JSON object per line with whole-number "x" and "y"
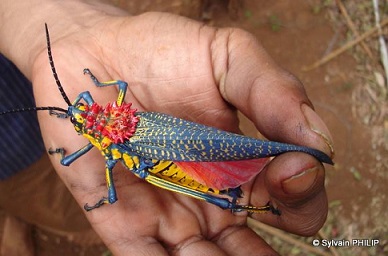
{"x": 223, "y": 203}
{"x": 141, "y": 171}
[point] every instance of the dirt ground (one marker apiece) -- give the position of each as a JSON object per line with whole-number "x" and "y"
{"x": 298, "y": 33}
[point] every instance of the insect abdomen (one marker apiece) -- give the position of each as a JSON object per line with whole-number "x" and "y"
{"x": 168, "y": 170}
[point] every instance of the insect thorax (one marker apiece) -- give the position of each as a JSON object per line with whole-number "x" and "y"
{"x": 112, "y": 124}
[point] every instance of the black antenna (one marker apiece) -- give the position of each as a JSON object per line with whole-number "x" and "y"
{"x": 32, "y": 109}
{"x": 64, "y": 96}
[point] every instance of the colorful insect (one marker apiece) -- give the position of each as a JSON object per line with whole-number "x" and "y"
{"x": 181, "y": 156}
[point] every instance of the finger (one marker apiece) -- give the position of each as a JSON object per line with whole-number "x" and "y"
{"x": 243, "y": 241}
{"x": 277, "y": 103}
{"x": 294, "y": 183}
{"x": 197, "y": 245}
{"x": 143, "y": 246}
{"x": 272, "y": 98}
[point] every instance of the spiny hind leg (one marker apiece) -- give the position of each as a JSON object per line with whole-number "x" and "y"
{"x": 122, "y": 85}
{"x": 223, "y": 203}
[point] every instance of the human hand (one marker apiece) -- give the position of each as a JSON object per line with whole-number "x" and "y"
{"x": 184, "y": 68}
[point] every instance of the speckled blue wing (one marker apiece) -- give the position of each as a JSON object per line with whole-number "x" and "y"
{"x": 160, "y": 136}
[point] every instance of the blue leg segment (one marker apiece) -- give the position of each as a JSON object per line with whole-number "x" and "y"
{"x": 67, "y": 160}
{"x": 122, "y": 85}
{"x": 112, "y": 196}
{"x": 233, "y": 192}
{"x": 86, "y": 96}
{"x": 58, "y": 114}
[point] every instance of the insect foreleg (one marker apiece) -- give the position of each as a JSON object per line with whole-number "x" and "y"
{"x": 67, "y": 160}
{"x": 86, "y": 96}
{"x": 58, "y": 114}
{"x": 122, "y": 86}
{"x": 112, "y": 196}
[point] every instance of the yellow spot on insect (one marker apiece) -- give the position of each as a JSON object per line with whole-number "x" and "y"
{"x": 108, "y": 180}
{"x": 128, "y": 160}
{"x": 78, "y": 118}
{"x": 82, "y": 107}
{"x": 93, "y": 141}
{"x": 120, "y": 99}
{"x": 136, "y": 161}
{"x": 116, "y": 154}
{"x": 105, "y": 143}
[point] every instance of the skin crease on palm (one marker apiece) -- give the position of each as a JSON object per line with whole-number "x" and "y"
{"x": 189, "y": 70}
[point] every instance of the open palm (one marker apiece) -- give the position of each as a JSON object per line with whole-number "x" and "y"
{"x": 183, "y": 68}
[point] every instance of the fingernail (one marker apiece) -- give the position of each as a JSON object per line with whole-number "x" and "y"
{"x": 319, "y": 127}
{"x": 301, "y": 182}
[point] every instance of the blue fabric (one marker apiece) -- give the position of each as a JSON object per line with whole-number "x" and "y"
{"x": 21, "y": 143}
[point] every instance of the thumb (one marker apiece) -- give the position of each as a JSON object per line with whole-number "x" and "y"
{"x": 278, "y": 105}
{"x": 268, "y": 95}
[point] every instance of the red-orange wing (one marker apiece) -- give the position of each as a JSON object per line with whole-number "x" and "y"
{"x": 223, "y": 175}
